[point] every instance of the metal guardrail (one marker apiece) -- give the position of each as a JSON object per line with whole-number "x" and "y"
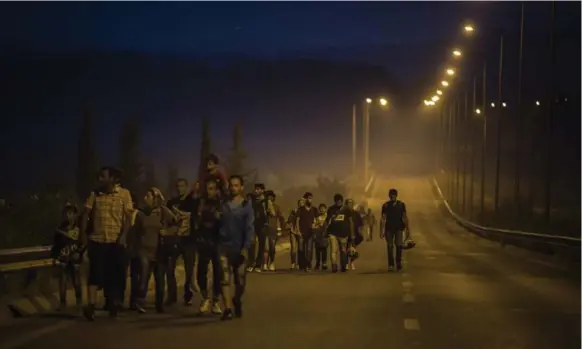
{"x": 549, "y": 239}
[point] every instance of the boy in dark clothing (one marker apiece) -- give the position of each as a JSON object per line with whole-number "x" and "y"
{"x": 275, "y": 225}
{"x": 179, "y": 242}
{"x": 340, "y": 225}
{"x": 262, "y": 211}
{"x": 67, "y": 254}
{"x": 207, "y": 222}
{"x": 306, "y": 216}
{"x": 294, "y": 237}
{"x": 321, "y": 239}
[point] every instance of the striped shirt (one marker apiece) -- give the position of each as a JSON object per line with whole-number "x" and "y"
{"x": 108, "y": 214}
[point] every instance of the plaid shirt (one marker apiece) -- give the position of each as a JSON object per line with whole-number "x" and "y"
{"x": 108, "y": 214}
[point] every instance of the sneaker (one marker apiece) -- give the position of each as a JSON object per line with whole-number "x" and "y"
{"x": 250, "y": 269}
{"x": 140, "y": 309}
{"x": 353, "y": 267}
{"x": 293, "y": 266}
{"x": 348, "y": 267}
{"x": 205, "y": 306}
{"x": 272, "y": 267}
{"x": 257, "y": 270}
{"x": 216, "y": 308}
{"x": 390, "y": 268}
{"x": 89, "y": 312}
{"x": 227, "y": 315}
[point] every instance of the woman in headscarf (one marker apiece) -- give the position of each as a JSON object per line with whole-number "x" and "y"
{"x": 150, "y": 223}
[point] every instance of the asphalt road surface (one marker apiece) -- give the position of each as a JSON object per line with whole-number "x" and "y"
{"x": 455, "y": 292}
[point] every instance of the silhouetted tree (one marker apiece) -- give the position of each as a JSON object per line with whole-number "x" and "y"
{"x": 172, "y": 178}
{"x": 87, "y": 161}
{"x": 129, "y": 157}
{"x": 205, "y": 147}
{"x": 237, "y": 157}
{"x": 150, "y": 179}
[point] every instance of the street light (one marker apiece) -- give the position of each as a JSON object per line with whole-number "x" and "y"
{"x": 478, "y": 111}
{"x": 504, "y": 105}
{"x": 450, "y": 72}
{"x": 492, "y": 105}
{"x": 538, "y": 103}
{"x": 435, "y": 98}
{"x": 383, "y": 102}
{"x": 468, "y": 29}
{"x": 439, "y": 92}
{"x": 368, "y": 100}
{"x": 445, "y": 83}
{"x": 457, "y": 53}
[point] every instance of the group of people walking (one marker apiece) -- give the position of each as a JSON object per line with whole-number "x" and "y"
{"x": 217, "y": 225}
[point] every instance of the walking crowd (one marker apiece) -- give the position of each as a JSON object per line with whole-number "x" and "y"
{"x": 212, "y": 223}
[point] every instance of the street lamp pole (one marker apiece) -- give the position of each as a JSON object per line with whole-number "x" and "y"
{"x": 354, "y": 142}
{"x": 366, "y": 139}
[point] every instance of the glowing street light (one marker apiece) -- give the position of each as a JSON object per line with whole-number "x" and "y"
{"x": 383, "y": 102}
{"x": 427, "y": 103}
{"x": 504, "y": 105}
{"x": 477, "y": 111}
{"x": 439, "y": 92}
{"x": 538, "y": 103}
{"x": 431, "y": 103}
{"x": 435, "y": 98}
{"x": 445, "y": 83}
{"x": 368, "y": 100}
{"x": 469, "y": 29}
{"x": 492, "y": 105}
{"x": 450, "y": 72}
{"x": 457, "y": 53}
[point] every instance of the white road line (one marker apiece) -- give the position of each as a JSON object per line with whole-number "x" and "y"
{"x": 411, "y": 325}
{"x": 33, "y": 335}
{"x": 406, "y": 284}
{"x": 408, "y": 298}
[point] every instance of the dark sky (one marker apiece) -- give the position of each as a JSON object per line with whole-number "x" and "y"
{"x": 337, "y": 31}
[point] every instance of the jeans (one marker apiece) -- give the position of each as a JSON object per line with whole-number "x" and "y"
{"x": 70, "y": 272}
{"x": 252, "y": 258}
{"x": 394, "y": 239}
{"x": 233, "y": 267}
{"x": 271, "y": 248}
{"x": 305, "y": 251}
{"x": 159, "y": 269}
{"x": 261, "y": 239}
{"x": 137, "y": 270}
{"x": 320, "y": 256}
{"x": 207, "y": 255}
{"x": 294, "y": 240}
{"x": 338, "y": 245}
{"x": 185, "y": 249}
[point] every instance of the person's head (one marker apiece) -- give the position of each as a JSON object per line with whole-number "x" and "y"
{"x": 211, "y": 162}
{"x": 133, "y": 200}
{"x": 211, "y": 189}
{"x": 301, "y": 202}
{"x": 369, "y": 211}
{"x": 70, "y": 214}
{"x": 393, "y": 194}
{"x": 236, "y": 184}
{"x": 270, "y": 195}
{"x": 338, "y": 199}
{"x": 350, "y": 204}
{"x": 182, "y": 186}
{"x": 154, "y": 197}
{"x": 322, "y": 208}
{"x": 108, "y": 177}
{"x": 259, "y": 189}
{"x": 250, "y": 196}
{"x": 308, "y": 199}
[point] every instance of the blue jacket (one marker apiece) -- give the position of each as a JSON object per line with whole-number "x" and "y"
{"x": 236, "y": 225}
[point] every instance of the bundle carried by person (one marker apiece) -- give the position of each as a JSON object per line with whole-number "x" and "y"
{"x": 320, "y": 236}
{"x": 67, "y": 250}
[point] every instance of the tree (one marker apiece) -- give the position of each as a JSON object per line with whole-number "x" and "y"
{"x": 129, "y": 157}
{"x": 237, "y": 157}
{"x": 172, "y": 178}
{"x": 150, "y": 179}
{"x": 87, "y": 161}
{"x": 205, "y": 147}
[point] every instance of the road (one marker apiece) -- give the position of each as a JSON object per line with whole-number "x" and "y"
{"x": 455, "y": 291}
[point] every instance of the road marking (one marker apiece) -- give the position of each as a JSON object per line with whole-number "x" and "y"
{"x": 411, "y": 325}
{"x": 33, "y": 335}
{"x": 408, "y": 298}
{"x": 406, "y": 284}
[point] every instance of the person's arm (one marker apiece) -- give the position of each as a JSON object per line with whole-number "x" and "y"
{"x": 168, "y": 215}
{"x": 122, "y": 240}
{"x": 351, "y": 228}
{"x": 382, "y": 222}
{"x": 89, "y": 204}
{"x": 249, "y": 228}
{"x": 405, "y": 219}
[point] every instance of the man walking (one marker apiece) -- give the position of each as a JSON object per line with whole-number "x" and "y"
{"x": 394, "y": 221}
{"x": 236, "y": 233}
{"x": 306, "y": 222}
{"x": 340, "y": 226}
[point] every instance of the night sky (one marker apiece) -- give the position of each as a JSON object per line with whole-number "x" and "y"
{"x": 210, "y": 31}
